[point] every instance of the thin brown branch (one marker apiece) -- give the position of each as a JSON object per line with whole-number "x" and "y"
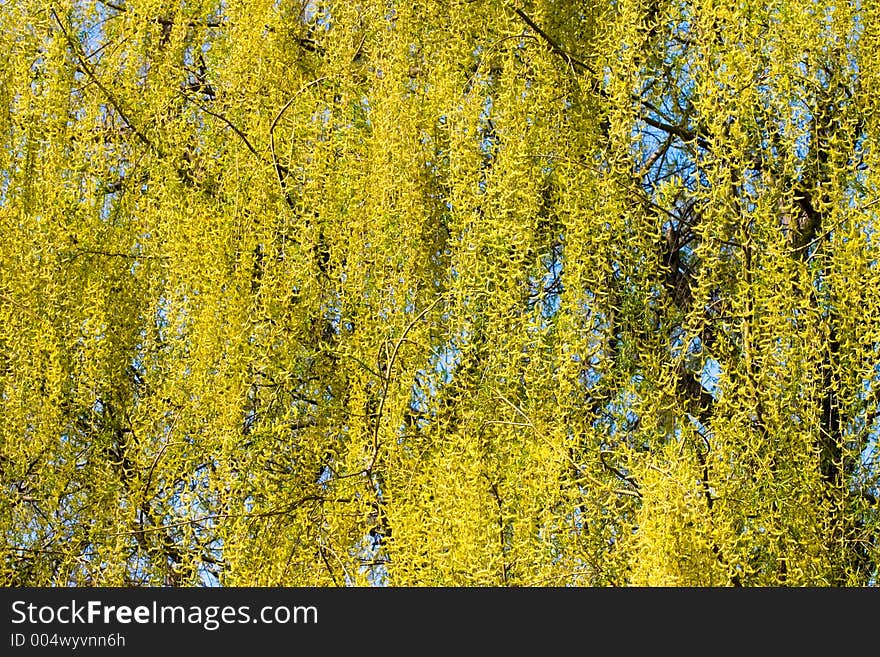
{"x": 76, "y": 47}
{"x": 280, "y": 171}
{"x": 162, "y": 21}
{"x": 558, "y": 50}
{"x": 235, "y": 129}
{"x": 617, "y": 473}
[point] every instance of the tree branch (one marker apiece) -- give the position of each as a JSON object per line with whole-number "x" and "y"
{"x": 114, "y": 102}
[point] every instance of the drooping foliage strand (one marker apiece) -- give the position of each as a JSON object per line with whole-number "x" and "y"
{"x": 440, "y": 292}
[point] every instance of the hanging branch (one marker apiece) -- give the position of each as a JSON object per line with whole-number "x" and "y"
{"x": 114, "y": 102}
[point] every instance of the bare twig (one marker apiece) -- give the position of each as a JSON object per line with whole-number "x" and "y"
{"x": 276, "y": 164}
{"x": 114, "y": 102}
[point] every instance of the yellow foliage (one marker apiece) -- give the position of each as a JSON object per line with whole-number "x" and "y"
{"x": 439, "y": 293}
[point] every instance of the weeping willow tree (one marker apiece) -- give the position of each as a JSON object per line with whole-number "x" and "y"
{"x": 440, "y": 292}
